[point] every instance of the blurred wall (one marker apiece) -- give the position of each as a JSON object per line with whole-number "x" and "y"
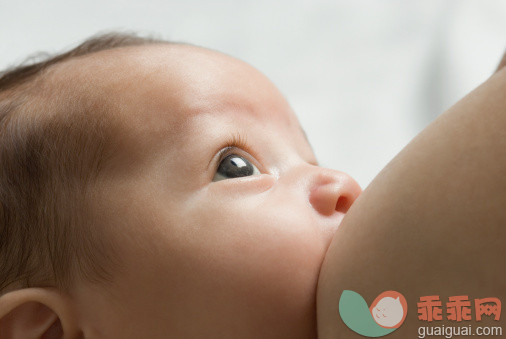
{"x": 363, "y": 76}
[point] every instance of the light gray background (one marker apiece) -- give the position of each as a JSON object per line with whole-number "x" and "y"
{"x": 363, "y": 76}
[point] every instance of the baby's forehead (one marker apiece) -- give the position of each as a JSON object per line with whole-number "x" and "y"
{"x": 153, "y": 92}
{"x": 176, "y": 78}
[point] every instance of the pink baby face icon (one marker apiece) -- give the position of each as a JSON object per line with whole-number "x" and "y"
{"x": 389, "y": 309}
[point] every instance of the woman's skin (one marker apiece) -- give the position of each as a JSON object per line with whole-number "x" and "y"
{"x": 431, "y": 223}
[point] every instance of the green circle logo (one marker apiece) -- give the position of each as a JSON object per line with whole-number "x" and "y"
{"x": 386, "y": 314}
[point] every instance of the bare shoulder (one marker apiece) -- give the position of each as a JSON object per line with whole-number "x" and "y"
{"x": 432, "y": 222}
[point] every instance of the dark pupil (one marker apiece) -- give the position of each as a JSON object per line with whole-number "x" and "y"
{"x": 234, "y": 166}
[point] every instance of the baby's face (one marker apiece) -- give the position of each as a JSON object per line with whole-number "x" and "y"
{"x": 213, "y": 200}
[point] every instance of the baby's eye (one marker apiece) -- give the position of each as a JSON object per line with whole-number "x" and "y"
{"x": 235, "y": 166}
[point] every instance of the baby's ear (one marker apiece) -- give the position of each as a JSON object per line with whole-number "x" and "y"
{"x": 36, "y": 313}
{"x": 502, "y": 63}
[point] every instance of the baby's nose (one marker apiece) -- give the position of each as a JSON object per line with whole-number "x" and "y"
{"x": 333, "y": 191}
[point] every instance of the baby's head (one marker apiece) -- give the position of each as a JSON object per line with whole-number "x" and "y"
{"x": 153, "y": 190}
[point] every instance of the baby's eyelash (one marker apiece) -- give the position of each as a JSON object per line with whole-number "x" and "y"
{"x": 238, "y": 141}
{"x": 235, "y": 141}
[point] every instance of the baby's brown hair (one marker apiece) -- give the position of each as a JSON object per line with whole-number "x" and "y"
{"x": 54, "y": 137}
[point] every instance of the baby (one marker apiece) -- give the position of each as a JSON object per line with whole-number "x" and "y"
{"x": 158, "y": 190}
{"x": 161, "y": 190}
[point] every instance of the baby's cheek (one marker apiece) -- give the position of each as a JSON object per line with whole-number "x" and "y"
{"x": 260, "y": 237}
